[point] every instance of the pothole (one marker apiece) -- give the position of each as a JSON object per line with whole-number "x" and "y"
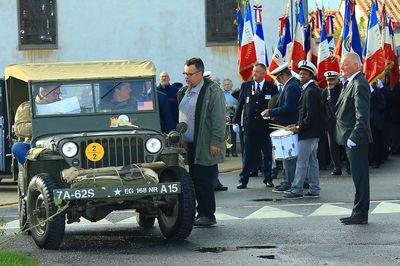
{"x": 269, "y": 257}
{"x": 267, "y": 199}
{"x": 223, "y": 249}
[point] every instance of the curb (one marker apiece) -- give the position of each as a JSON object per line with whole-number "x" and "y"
{"x": 8, "y": 204}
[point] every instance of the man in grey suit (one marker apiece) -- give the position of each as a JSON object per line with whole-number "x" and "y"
{"x": 353, "y": 130}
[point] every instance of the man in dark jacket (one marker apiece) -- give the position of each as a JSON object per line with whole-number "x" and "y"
{"x": 253, "y": 99}
{"x": 286, "y": 113}
{"x": 353, "y": 130}
{"x": 377, "y": 120}
{"x": 309, "y": 131}
{"x": 329, "y": 99}
{"x": 171, "y": 99}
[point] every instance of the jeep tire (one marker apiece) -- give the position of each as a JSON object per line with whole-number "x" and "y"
{"x": 40, "y": 206}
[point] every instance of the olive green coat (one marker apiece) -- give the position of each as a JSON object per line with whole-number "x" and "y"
{"x": 23, "y": 122}
{"x": 209, "y": 122}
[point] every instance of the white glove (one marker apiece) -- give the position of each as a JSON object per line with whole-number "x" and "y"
{"x": 350, "y": 143}
{"x": 236, "y": 128}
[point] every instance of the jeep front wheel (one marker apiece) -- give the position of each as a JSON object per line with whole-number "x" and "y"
{"x": 40, "y": 206}
{"x": 176, "y": 218}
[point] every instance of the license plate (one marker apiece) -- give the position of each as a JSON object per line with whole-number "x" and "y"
{"x": 116, "y": 191}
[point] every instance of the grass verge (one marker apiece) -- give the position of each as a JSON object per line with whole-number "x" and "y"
{"x": 11, "y": 258}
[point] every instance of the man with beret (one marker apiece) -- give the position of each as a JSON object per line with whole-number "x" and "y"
{"x": 309, "y": 131}
{"x": 329, "y": 99}
{"x": 286, "y": 113}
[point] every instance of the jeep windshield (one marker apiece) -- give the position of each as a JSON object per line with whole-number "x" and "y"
{"x": 128, "y": 96}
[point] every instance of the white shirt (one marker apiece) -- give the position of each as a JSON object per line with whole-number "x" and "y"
{"x": 352, "y": 76}
{"x": 305, "y": 85}
{"x": 261, "y": 85}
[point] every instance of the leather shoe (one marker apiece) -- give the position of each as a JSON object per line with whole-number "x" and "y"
{"x": 269, "y": 184}
{"x": 205, "y": 221}
{"x": 336, "y": 172}
{"x": 354, "y": 220}
{"x": 220, "y": 188}
{"x": 345, "y": 219}
{"x": 241, "y": 186}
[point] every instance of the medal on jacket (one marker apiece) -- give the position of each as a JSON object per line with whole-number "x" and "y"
{"x": 253, "y": 91}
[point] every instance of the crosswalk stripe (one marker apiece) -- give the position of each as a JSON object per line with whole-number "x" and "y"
{"x": 130, "y": 220}
{"x": 387, "y": 207}
{"x": 84, "y": 221}
{"x": 225, "y": 217}
{"x": 329, "y": 209}
{"x": 267, "y": 212}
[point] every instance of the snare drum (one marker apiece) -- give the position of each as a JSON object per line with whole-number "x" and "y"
{"x": 284, "y": 144}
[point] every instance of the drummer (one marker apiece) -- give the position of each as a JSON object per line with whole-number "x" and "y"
{"x": 309, "y": 131}
{"x": 285, "y": 113}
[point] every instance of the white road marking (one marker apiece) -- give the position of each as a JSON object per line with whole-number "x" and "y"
{"x": 386, "y": 207}
{"x": 225, "y": 217}
{"x": 267, "y": 212}
{"x": 329, "y": 209}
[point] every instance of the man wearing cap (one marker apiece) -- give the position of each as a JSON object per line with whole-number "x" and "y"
{"x": 286, "y": 113}
{"x": 309, "y": 131}
{"x": 329, "y": 98}
{"x": 353, "y": 130}
{"x": 253, "y": 99}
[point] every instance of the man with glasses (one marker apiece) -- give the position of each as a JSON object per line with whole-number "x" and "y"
{"x": 202, "y": 108}
{"x": 286, "y": 113}
{"x": 253, "y": 99}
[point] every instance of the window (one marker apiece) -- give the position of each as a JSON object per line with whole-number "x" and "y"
{"x": 37, "y": 25}
{"x": 220, "y": 27}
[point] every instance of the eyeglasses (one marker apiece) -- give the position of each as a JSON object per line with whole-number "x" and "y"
{"x": 190, "y": 74}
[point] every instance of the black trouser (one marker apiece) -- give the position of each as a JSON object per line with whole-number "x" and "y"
{"x": 253, "y": 145}
{"x": 358, "y": 158}
{"x": 202, "y": 176}
{"x": 334, "y": 150}
{"x": 376, "y": 148}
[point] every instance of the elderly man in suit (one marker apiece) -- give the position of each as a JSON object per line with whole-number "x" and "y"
{"x": 286, "y": 113}
{"x": 353, "y": 130}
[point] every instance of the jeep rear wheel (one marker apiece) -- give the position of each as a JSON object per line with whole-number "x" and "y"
{"x": 143, "y": 221}
{"x": 40, "y": 206}
{"x": 177, "y": 218}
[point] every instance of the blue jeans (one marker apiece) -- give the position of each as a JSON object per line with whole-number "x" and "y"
{"x": 20, "y": 150}
{"x": 289, "y": 169}
{"x": 307, "y": 165}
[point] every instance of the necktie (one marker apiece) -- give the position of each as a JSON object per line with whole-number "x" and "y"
{"x": 258, "y": 88}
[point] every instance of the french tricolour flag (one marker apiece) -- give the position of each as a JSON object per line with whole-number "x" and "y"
{"x": 283, "y": 50}
{"x": 374, "y": 65}
{"x": 299, "y": 52}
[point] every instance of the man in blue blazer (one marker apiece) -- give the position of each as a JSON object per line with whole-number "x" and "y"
{"x": 286, "y": 113}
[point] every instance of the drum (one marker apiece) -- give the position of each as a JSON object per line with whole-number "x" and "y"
{"x": 284, "y": 144}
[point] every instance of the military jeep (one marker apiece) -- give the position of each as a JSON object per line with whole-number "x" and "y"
{"x": 92, "y": 153}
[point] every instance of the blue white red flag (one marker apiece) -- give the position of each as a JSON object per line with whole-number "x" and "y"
{"x": 145, "y": 105}
{"x": 374, "y": 65}
{"x": 299, "y": 52}
{"x": 282, "y": 51}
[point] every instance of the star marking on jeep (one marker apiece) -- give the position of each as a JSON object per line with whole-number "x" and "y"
{"x": 117, "y": 192}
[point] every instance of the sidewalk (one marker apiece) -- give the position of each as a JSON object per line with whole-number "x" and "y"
{"x": 231, "y": 164}
{"x": 8, "y": 193}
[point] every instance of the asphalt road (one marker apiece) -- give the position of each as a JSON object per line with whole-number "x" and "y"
{"x": 255, "y": 227}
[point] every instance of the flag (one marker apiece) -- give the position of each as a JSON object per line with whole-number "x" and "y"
{"x": 326, "y": 59}
{"x": 374, "y": 65}
{"x": 389, "y": 53}
{"x": 311, "y": 43}
{"x": 350, "y": 38}
{"x": 318, "y": 19}
{"x": 145, "y": 105}
{"x": 282, "y": 51}
{"x": 248, "y": 55}
{"x": 299, "y": 52}
{"x": 259, "y": 36}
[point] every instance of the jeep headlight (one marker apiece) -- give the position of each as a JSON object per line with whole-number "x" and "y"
{"x": 153, "y": 145}
{"x": 69, "y": 149}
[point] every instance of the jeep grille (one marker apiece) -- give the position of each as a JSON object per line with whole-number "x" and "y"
{"x": 118, "y": 151}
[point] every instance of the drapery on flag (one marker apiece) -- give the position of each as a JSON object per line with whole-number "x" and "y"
{"x": 326, "y": 59}
{"x": 299, "y": 52}
{"x": 349, "y": 40}
{"x": 282, "y": 51}
{"x": 248, "y": 55}
{"x": 389, "y": 53}
{"x": 374, "y": 65}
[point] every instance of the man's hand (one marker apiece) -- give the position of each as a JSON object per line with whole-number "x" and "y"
{"x": 229, "y": 106}
{"x": 214, "y": 150}
{"x": 350, "y": 144}
{"x": 236, "y": 128}
{"x": 293, "y": 128}
{"x": 265, "y": 113}
{"x": 183, "y": 143}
